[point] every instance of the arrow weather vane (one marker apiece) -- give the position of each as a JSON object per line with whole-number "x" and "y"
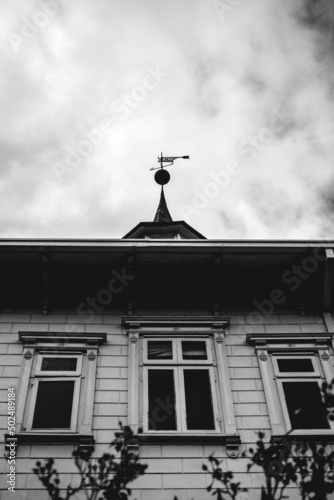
{"x": 162, "y": 177}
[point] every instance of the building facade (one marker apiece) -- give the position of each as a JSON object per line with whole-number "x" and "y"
{"x": 201, "y": 343}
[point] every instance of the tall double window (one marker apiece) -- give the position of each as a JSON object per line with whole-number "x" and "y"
{"x": 179, "y": 391}
{"x": 179, "y": 387}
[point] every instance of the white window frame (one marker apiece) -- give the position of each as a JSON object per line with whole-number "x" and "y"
{"x": 210, "y": 329}
{"x": 56, "y": 373}
{"x": 278, "y": 373}
{"x": 273, "y": 346}
{"x": 214, "y": 399}
{"x": 177, "y": 351}
{"x": 36, "y": 345}
{"x": 75, "y": 405}
{"x": 180, "y": 400}
{"x": 285, "y": 406}
{"x": 145, "y": 398}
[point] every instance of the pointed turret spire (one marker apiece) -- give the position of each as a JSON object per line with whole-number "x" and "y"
{"x": 162, "y": 213}
{"x": 163, "y": 226}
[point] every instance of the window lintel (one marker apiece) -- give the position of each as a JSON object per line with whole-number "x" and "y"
{"x": 168, "y": 323}
{"x": 89, "y": 339}
{"x": 318, "y": 340}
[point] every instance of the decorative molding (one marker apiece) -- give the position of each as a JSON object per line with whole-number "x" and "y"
{"x": 263, "y": 356}
{"x": 23, "y": 385}
{"x": 182, "y": 322}
{"x": 286, "y": 338}
{"x": 270, "y": 391}
{"x": 134, "y": 326}
{"x": 225, "y": 387}
{"x": 132, "y": 447}
{"x": 232, "y": 446}
{"x": 62, "y": 338}
{"x": 130, "y": 306}
{"x": 324, "y": 355}
{"x": 302, "y": 308}
{"x": 328, "y": 280}
{"x": 45, "y": 278}
{"x": 216, "y": 272}
{"x": 133, "y": 380}
{"x": 329, "y": 322}
{"x": 85, "y": 418}
{"x": 130, "y": 265}
{"x": 134, "y": 337}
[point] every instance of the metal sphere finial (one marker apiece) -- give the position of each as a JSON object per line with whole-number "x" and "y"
{"x": 162, "y": 177}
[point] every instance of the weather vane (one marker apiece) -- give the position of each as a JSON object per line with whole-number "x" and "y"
{"x": 162, "y": 176}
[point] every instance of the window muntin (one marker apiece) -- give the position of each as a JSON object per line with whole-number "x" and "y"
{"x": 198, "y": 399}
{"x": 160, "y": 349}
{"x": 295, "y": 365}
{"x": 302, "y": 405}
{"x": 54, "y": 404}
{"x": 299, "y": 393}
{"x": 180, "y": 397}
{"x": 299, "y": 366}
{"x": 184, "y": 351}
{"x": 58, "y": 364}
{"x": 194, "y": 350}
{"x": 162, "y": 400}
{"x": 54, "y": 397}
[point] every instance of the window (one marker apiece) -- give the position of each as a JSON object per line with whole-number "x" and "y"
{"x": 299, "y": 380}
{"x": 56, "y": 387}
{"x": 179, "y": 388}
{"x": 55, "y": 392}
{"x": 293, "y": 369}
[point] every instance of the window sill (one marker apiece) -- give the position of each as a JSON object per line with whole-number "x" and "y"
{"x": 230, "y": 441}
{"x": 50, "y": 438}
{"x": 303, "y": 437}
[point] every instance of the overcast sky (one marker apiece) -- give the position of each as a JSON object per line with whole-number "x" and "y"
{"x": 92, "y": 91}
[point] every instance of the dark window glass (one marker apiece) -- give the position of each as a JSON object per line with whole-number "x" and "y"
{"x": 59, "y": 364}
{"x": 194, "y": 350}
{"x": 53, "y": 407}
{"x": 159, "y": 350}
{"x": 305, "y": 407}
{"x": 295, "y": 365}
{"x": 198, "y": 399}
{"x": 161, "y": 400}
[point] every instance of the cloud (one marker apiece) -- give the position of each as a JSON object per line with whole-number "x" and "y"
{"x": 226, "y": 77}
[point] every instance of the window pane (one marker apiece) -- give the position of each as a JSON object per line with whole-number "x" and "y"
{"x": 159, "y": 350}
{"x": 161, "y": 400}
{"x": 194, "y": 350}
{"x": 53, "y": 407}
{"x": 305, "y": 407}
{"x": 198, "y": 399}
{"x": 295, "y": 365}
{"x": 59, "y": 364}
